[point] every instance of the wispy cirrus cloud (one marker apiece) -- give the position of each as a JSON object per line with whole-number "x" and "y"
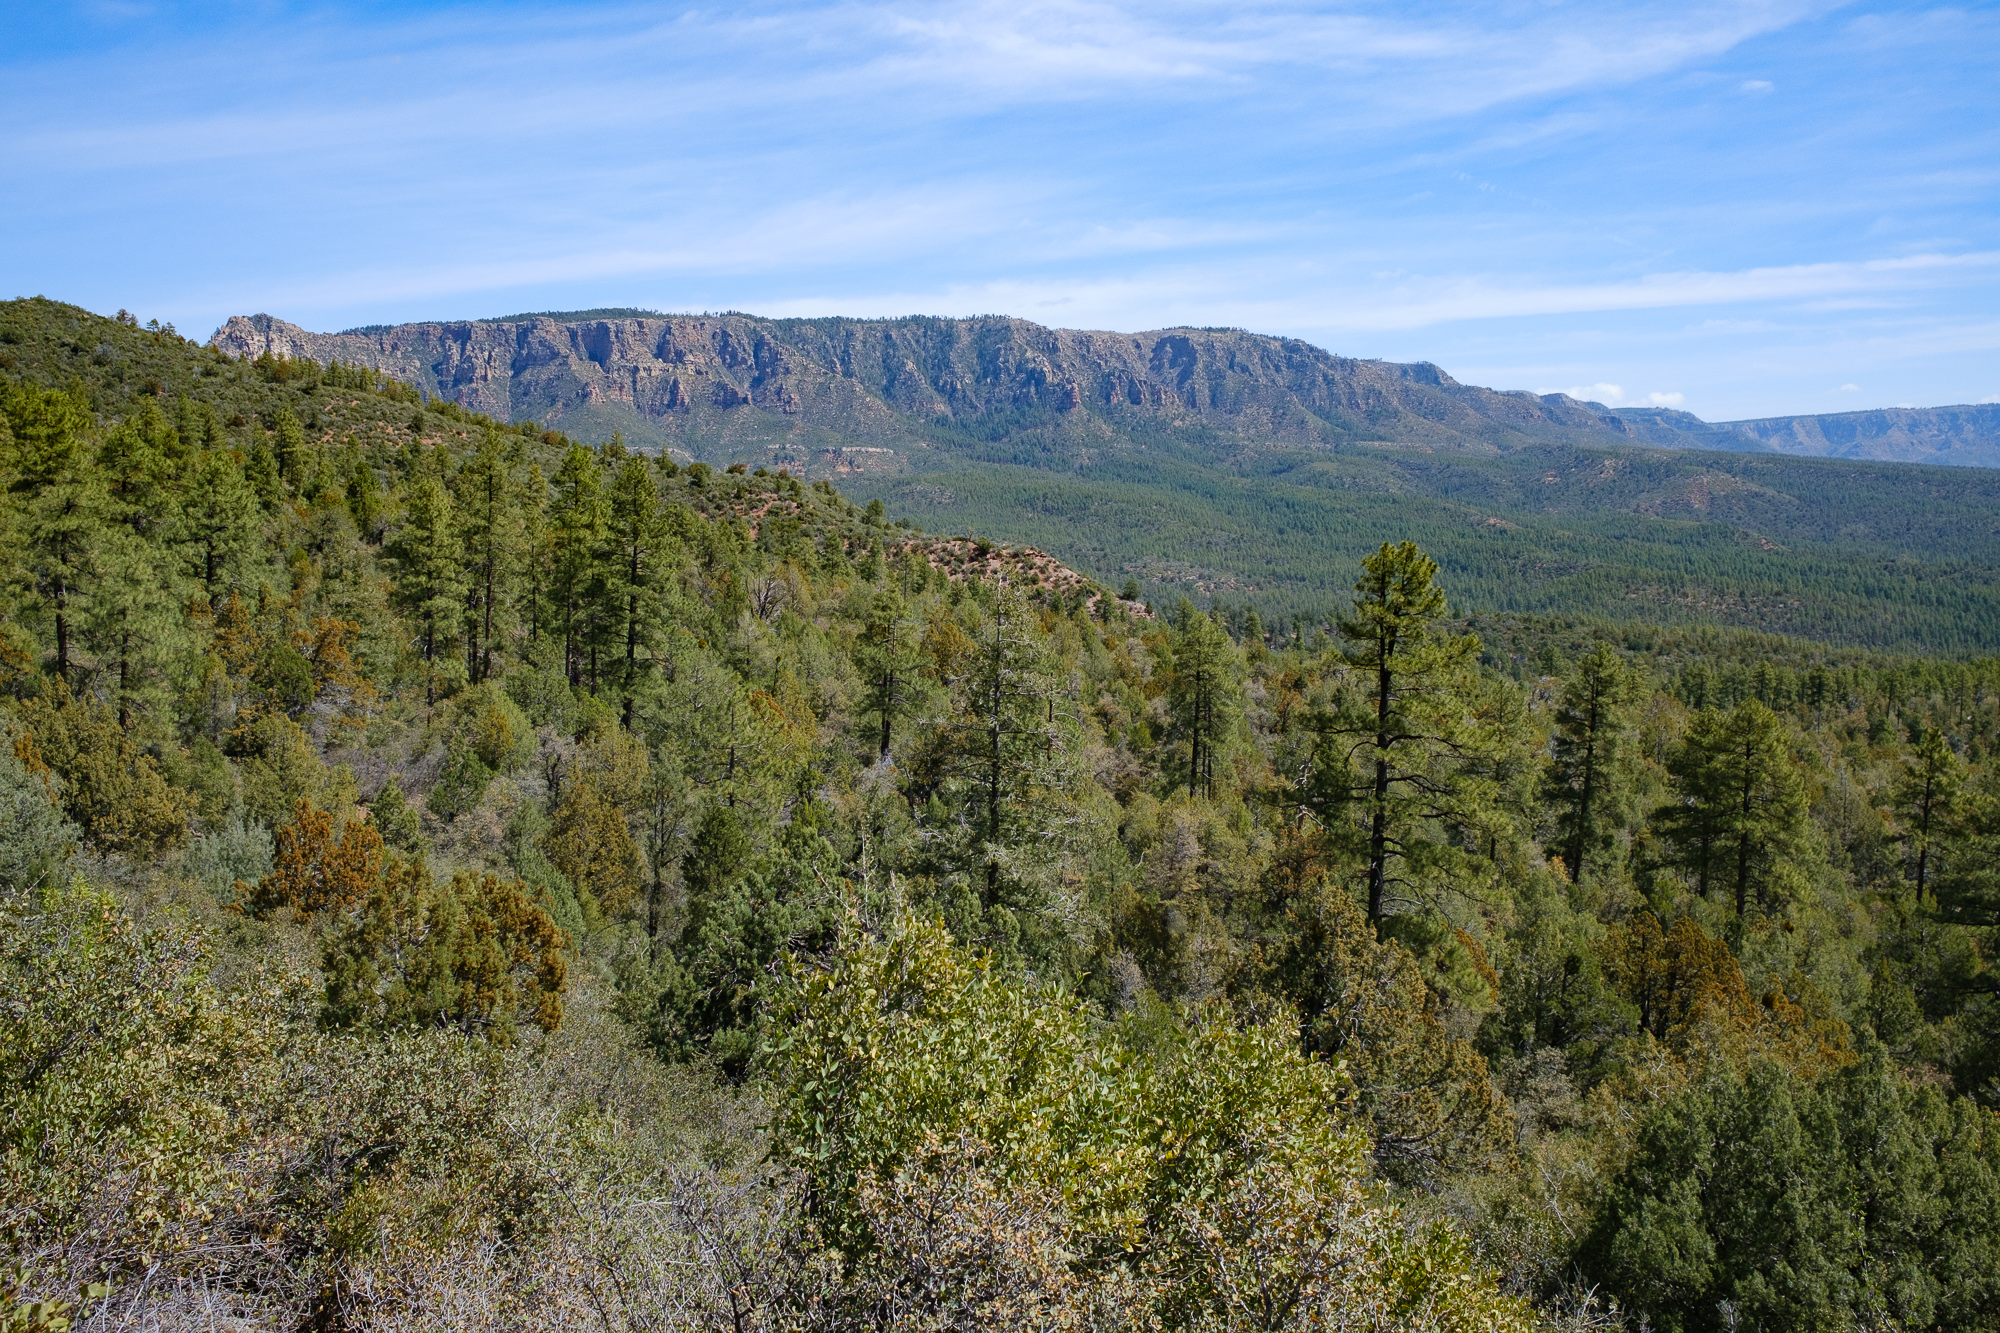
{"x": 1517, "y": 189}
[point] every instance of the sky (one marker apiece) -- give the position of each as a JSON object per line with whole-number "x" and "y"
{"x": 1739, "y": 209}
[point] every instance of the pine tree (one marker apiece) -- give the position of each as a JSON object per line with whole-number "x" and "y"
{"x": 1927, "y": 798}
{"x": 488, "y": 503}
{"x": 137, "y": 462}
{"x": 1741, "y": 820}
{"x": 1406, "y": 756}
{"x": 640, "y": 540}
{"x": 364, "y": 501}
{"x": 577, "y": 582}
{"x": 218, "y": 518}
{"x": 1587, "y": 775}
{"x": 890, "y": 657}
{"x": 717, "y": 856}
{"x": 290, "y": 445}
{"x": 1001, "y": 764}
{"x": 134, "y": 624}
{"x": 396, "y": 819}
{"x": 64, "y": 508}
{"x": 1202, "y": 692}
{"x": 432, "y": 585}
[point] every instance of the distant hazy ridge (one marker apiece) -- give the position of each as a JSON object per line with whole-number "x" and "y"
{"x": 731, "y": 384}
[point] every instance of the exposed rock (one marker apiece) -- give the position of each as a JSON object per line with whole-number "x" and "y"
{"x": 740, "y": 386}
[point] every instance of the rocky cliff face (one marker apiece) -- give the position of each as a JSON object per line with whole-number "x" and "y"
{"x": 734, "y": 384}
{"x": 1968, "y": 436}
{"x": 845, "y": 395}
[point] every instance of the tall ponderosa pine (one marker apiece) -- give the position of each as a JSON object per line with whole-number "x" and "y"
{"x": 1202, "y": 693}
{"x": 577, "y": 574}
{"x": 1005, "y": 747}
{"x": 218, "y": 518}
{"x": 1401, "y": 771}
{"x": 639, "y": 539}
{"x": 1927, "y": 798}
{"x": 138, "y": 461}
{"x": 489, "y": 509}
{"x": 1741, "y": 818}
{"x": 289, "y": 444}
{"x": 890, "y": 657}
{"x": 63, "y": 508}
{"x": 136, "y": 626}
{"x": 1587, "y": 777}
{"x": 432, "y": 586}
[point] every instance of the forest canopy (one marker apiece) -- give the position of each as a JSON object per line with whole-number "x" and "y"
{"x": 457, "y": 876}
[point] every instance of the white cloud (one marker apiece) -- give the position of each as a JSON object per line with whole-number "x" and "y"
{"x": 1850, "y": 388}
{"x": 1755, "y": 85}
{"x": 1416, "y": 305}
{"x": 1613, "y": 395}
{"x": 512, "y": 75}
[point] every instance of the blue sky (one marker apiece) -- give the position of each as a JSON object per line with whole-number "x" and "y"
{"x": 1742, "y": 209}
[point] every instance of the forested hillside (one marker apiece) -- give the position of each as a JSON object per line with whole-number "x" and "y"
{"x": 1219, "y": 463}
{"x": 455, "y": 876}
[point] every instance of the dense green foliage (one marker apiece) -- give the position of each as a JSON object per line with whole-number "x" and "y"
{"x": 459, "y": 877}
{"x": 1866, "y": 554}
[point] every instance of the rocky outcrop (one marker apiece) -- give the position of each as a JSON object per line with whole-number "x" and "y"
{"x": 792, "y": 389}
{"x": 1968, "y": 435}
{"x": 734, "y": 382}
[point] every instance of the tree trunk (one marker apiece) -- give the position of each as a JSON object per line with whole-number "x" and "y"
{"x": 62, "y": 630}
{"x": 1378, "y": 833}
{"x": 888, "y": 698}
{"x": 1585, "y": 825}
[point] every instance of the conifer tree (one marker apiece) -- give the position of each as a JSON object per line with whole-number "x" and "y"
{"x": 576, "y": 531}
{"x": 63, "y": 508}
{"x": 717, "y": 856}
{"x": 137, "y": 462}
{"x": 317, "y": 871}
{"x": 1202, "y": 692}
{"x": 218, "y": 518}
{"x": 1587, "y": 773}
{"x": 1000, "y": 763}
{"x": 1406, "y": 755}
{"x": 640, "y": 540}
{"x": 589, "y": 842}
{"x": 364, "y": 501}
{"x": 1741, "y": 820}
{"x": 289, "y": 445}
{"x": 432, "y": 586}
{"x": 134, "y": 623}
{"x": 890, "y": 657}
{"x": 488, "y": 503}
{"x": 1927, "y": 798}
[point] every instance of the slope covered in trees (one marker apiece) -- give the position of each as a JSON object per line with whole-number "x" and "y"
{"x": 459, "y": 877}
{"x": 1205, "y": 461}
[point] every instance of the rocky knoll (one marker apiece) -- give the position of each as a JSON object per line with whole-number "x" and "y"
{"x": 843, "y": 395}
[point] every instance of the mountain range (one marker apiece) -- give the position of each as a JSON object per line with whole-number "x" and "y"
{"x": 844, "y": 395}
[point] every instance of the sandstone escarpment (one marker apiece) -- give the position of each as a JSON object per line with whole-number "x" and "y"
{"x": 739, "y": 385}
